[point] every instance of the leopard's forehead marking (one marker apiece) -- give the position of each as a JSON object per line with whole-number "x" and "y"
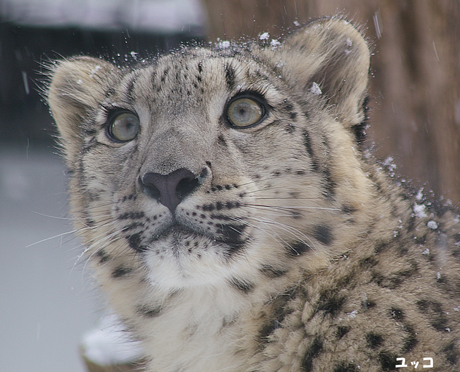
{"x": 195, "y": 77}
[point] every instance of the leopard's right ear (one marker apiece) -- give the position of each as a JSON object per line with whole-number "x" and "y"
{"x": 77, "y": 87}
{"x": 328, "y": 57}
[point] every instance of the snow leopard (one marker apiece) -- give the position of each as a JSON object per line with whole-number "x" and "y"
{"x": 235, "y": 217}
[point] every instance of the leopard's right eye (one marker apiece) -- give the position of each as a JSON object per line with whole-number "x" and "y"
{"x": 123, "y": 127}
{"x": 246, "y": 110}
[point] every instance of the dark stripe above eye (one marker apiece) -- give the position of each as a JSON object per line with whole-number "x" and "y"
{"x": 229, "y": 76}
{"x": 130, "y": 88}
{"x": 309, "y": 148}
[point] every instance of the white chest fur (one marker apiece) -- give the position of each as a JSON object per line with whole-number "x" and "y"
{"x": 198, "y": 330}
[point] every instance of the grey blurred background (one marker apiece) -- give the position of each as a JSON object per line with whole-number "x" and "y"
{"x": 47, "y": 298}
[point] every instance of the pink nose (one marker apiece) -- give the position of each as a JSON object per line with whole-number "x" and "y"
{"x": 171, "y": 188}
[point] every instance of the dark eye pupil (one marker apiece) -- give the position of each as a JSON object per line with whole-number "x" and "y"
{"x": 124, "y": 127}
{"x": 244, "y": 112}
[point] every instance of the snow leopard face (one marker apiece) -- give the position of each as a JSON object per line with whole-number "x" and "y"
{"x": 192, "y": 165}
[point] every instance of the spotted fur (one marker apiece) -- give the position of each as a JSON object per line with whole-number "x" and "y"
{"x": 287, "y": 246}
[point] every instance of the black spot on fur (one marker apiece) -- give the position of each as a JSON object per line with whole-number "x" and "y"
{"x": 348, "y": 209}
{"x": 374, "y": 340}
{"x": 442, "y": 281}
{"x": 345, "y": 367}
{"x": 323, "y": 234}
{"x": 103, "y": 256}
{"x": 231, "y": 233}
{"x": 242, "y": 285}
{"x": 134, "y": 242}
{"x": 434, "y": 312}
{"x": 280, "y": 309}
{"x": 368, "y": 262}
{"x": 341, "y": 331}
{"x": 368, "y": 304}
{"x": 149, "y": 312}
{"x": 109, "y": 92}
{"x": 311, "y": 353}
{"x": 271, "y": 272}
{"x": 90, "y": 132}
{"x": 130, "y": 215}
{"x": 230, "y": 76}
{"x": 457, "y": 238}
{"x": 411, "y": 340}
{"x": 394, "y": 280}
{"x": 266, "y": 331}
{"x": 221, "y": 141}
{"x": 359, "y": 131}
{"x": 329, "y": 185}
{"x": 330, "y": 303}
{"x": 397, "y": 314}
{"x": 309, "y": 148}
{"x": 297, "y": 248}
{"x": 345, "y": 280}
{"x": 90, "y": 222}
{"x": 130, "y": 88}
{"x": 287, "y": 105}
{"x": 451, "y": 353}
{"x": 132, "y": 226}
{"x": 387, "y": 360}
{"x": 121, "y": 271}
{"x": 380, "y": 247}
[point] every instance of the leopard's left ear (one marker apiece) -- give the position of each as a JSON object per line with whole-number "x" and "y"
{"x": 77, "y": 86}
{"x": 329, "y": 57}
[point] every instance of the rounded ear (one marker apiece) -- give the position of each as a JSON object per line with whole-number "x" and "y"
{"x": 77, "y": 86}
{"x": 331, "y": 58}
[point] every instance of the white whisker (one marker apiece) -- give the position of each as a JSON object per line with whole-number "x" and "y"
{"x": 51, "y": 237}
{"x": 53, "y": 217}
{"x": 275, "y": 207}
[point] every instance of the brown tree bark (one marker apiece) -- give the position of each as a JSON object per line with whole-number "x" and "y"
{"x": 232, "y": 19}
{"x": 415, "y": 89}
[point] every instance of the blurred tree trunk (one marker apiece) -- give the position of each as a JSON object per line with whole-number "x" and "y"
{"x": 415, "y": 90}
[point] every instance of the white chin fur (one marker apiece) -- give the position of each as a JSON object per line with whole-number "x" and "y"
{"x": 180, "y": 269}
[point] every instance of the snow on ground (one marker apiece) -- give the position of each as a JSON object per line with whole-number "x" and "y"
{"x": 109, "y": 343}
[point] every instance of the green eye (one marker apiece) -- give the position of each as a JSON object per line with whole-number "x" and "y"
{"x": 124, "y": 127}
{"x": 245, "y": 112}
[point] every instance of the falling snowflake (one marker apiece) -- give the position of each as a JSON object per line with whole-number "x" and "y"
{"x": 432, "y": 225}
{"x": 315, "y": 89}
{"x": 264, "y": 36}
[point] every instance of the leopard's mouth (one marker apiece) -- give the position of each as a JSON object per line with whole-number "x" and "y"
{"x": 229, "y": 236}
{"x": 155, "y": 231}
{"x": 181, "y": 256}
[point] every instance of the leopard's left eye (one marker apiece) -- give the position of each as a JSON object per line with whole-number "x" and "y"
{"x": 123, "y": 127}
{"x": 243, "y": 112}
